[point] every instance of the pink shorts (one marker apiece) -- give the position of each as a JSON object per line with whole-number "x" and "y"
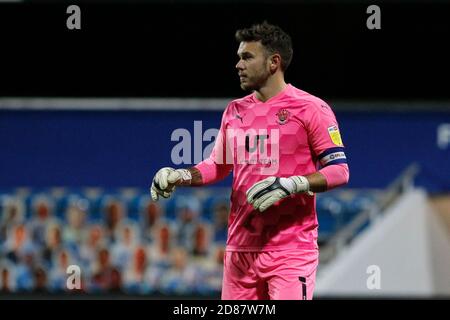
{"x": 274, "y": 275}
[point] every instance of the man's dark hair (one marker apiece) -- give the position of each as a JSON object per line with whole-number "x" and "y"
{"x": 272, "y": 37}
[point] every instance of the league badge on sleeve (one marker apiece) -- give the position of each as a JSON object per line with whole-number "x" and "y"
{"x": 335, "y": 135}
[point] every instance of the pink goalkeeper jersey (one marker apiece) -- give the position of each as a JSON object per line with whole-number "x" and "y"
{"x": 290, "y": 134}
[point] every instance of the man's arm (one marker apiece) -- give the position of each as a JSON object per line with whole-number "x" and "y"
{"x": 167, "y": 179}
{"x": 317, "y": 182}
{"x": 266, "y": 192}
{"x": 195, "y": 178}
{"x": 329, "y": 177}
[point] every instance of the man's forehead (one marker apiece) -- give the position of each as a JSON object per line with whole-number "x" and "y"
{"x": 251, "y": 46}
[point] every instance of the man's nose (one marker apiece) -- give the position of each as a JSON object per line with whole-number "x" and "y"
{"x": 239, "y": 65}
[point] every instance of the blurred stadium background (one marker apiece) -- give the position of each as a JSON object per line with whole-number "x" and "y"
{"x": 81, "y": 137}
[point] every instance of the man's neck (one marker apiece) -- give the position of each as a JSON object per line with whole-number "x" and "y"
{"x": 271, "y": 89}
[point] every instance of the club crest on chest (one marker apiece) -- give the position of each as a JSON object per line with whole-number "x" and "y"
{"x": 283, "y": 116}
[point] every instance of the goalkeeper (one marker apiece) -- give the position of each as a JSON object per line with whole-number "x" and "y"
{"x": 282, "y": 145}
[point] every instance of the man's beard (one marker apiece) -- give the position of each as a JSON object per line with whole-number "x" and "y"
{"x": 256, "y": 82}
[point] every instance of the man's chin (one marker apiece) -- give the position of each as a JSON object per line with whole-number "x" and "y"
{"x": 246, "y": 87}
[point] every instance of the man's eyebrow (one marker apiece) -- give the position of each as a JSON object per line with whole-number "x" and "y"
{"x": 245, "y": 53}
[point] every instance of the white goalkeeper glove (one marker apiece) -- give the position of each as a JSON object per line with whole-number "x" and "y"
{"x": 266, "y": 192}
{"x": 165, "y": 181}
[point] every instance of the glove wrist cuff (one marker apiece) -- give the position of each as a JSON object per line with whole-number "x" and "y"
{"x": 301, "y": 184}
{"x": 186, "y": 176}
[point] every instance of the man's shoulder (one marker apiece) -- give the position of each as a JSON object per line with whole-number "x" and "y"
{"x": 248, "y": 99}
{"x": 308, "y": 102}
{"x": 305, "y": 98}
{"x": 234, "y": 105}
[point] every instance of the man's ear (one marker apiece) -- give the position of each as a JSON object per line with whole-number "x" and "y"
{"x": 275, "y": 63}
